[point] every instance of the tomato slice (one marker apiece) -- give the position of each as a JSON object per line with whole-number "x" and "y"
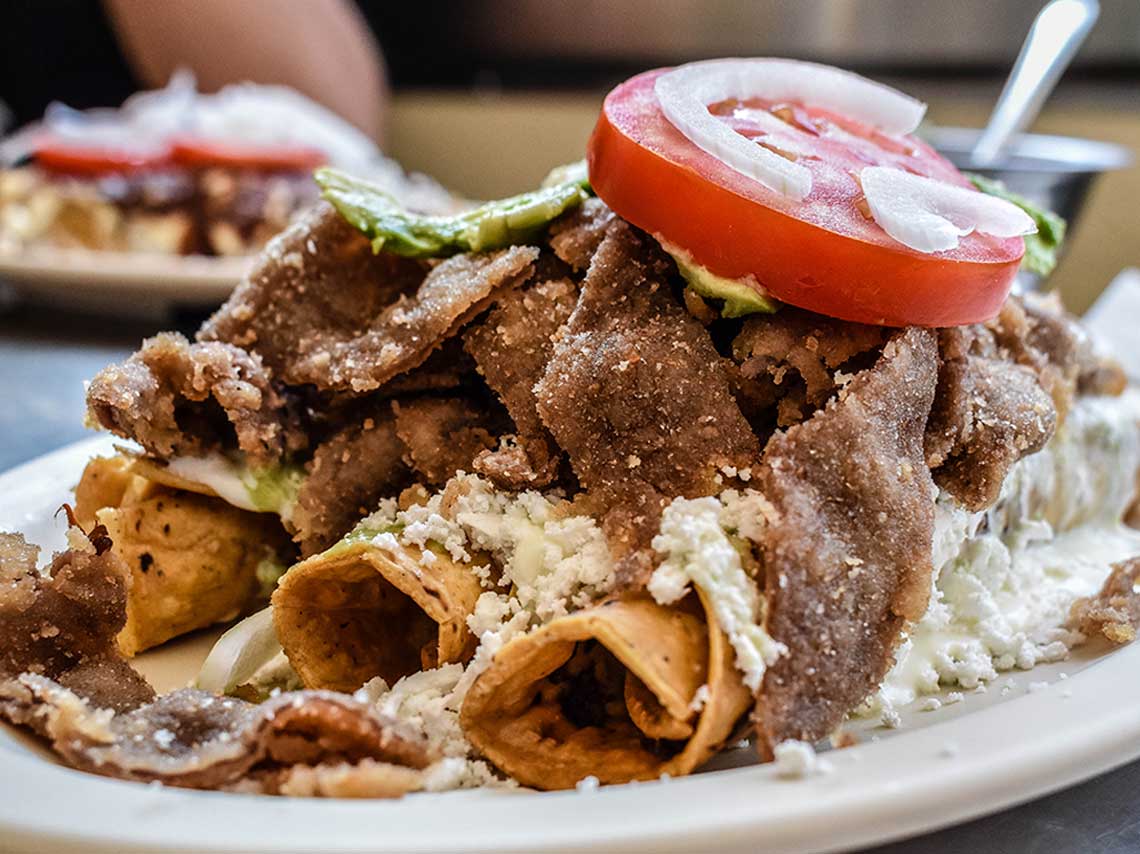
{"x": 69, "y": 158}
{"x": 197, "y": 152}
{"x": 824, "y": 253}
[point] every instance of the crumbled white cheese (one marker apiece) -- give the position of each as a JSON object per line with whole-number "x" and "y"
{"x": 796, "y": 760}
{"x": 423, "y": 524}
{"x": 163, "y": 738}
{"x": 428, "y": 702}
{"x": 555, "y": 563}
{"x": 491, "y": 611}
{"x": 745, "y": 513}
{"x": 421, "y": 700}
{"x": 490, "y": 642}
{"x": 383, "y": 517}
{"x": 697, "y": 549}
{"x": 587, "y": 784}
{"x": 700, "y": 697}
{"x": 551, "y": 563}
{"x": 386, "y": 540}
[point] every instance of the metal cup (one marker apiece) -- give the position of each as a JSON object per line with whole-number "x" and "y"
{"x": 1056, "y": 172}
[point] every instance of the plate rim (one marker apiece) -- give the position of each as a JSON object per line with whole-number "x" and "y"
{"x": 156, "y": 275}
{"x": 878, "y": 791}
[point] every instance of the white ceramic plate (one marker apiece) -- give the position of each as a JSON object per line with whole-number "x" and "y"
{"x": 110, "y": 277}
{"x": 985, "y": 753}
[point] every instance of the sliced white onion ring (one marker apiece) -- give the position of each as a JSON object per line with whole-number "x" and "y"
{"x": 686, "y": 92}
{"x": 930, "y": 215}
{"x": 239, "y": 653}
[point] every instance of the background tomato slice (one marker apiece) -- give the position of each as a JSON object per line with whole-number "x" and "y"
{"x": 195, "y": 152}
{"x": 824, "y": 254}
{"x": 68, "y": 158}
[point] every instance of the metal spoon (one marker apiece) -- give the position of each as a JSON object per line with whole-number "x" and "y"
{"x": 1052, "y": 42}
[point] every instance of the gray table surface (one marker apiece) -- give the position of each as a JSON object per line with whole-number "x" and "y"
{"x": 46, "y": 355}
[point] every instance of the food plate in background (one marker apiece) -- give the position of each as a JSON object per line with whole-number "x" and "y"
{"x": 121, "y": 281}
{"x": 1030, "y": 733}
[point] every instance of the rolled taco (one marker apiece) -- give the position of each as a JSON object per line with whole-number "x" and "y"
{"x": 370, "y": 606}
{"x": 194, "y": 559}
{"x": 104, "y": 483}
{"x": 625, "y": 690}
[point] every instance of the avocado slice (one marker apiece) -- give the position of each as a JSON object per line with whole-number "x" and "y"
{"x": 740, "y": 296}
{"x": 494, "y": 225}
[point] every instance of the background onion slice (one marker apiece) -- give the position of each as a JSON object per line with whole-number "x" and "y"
{"x": 686, "y": 92}
{"x": 930, "y": 215}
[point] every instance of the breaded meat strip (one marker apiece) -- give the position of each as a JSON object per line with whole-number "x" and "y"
{"x": 1059, "y": 348}
{"x": 350, "y": 472}
{"x": 318, "y": 281}
{"x": 636, "y": 394}
{"x": 409, "y": 330}
{"x": 174, "y": 397}
{"x": 511, "y": 348}
{"x": 847, "y": 554}
{"x": 193, "y": 739}
{"x": 790, "y": 359}
{"x": 442, "y": 436}
{"x": 62, "y": 624}
{"x": 576, "y": 236}
{"x": 1038, "y": 334}
{"x": 448, "y": 367}
{"x": 1114, "y": 612}
{"x": 1004, "y": 388}
{"x": 991, "y": 409}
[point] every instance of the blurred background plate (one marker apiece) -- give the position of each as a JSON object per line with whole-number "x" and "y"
{"x": 120, "y": 282}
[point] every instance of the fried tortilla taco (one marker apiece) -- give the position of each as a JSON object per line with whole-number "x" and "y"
{"x": 370, "y": 606}
{"x": 194, "y": 560}
{"x": 625, "y": 690}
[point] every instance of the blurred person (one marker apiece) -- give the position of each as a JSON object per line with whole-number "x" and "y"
{"x": 89, "y": 54}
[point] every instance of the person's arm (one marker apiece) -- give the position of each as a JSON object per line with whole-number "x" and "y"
{"x": 322, "y": 48}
